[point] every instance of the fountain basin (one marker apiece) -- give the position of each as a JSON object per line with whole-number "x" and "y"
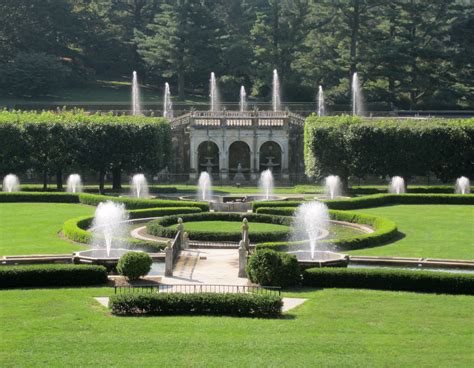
{"x": 232, "y": 203}
{"x": 321, "y": 259}
{"x": 99, "y": 256}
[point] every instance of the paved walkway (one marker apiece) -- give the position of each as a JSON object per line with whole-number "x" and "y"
{"x": 207, "y": 266}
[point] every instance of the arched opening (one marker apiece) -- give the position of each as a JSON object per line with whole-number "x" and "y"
{"x": 208, "y": 157}
{"x": 270, "y": 157}
{"x": 239, "y": 160}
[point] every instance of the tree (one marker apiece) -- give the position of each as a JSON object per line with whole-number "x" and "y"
{"x": 180, "y": 42}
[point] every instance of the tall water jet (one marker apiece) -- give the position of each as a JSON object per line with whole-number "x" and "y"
{"x": 109, "y": 226}
{"x": 214, "y": 94}
{"x": 205, "y": 186}
{"x": 243, "y": 99}
{"x": 136, "y": 108}
{"x": 139, "y": 186}
{"x": 167, "y": 103}
{"x": 266, "y": 183}
{"x": 332, "y": 186}
{"x": 311, "y": 221}
{"x": 74, "y": 183}
{"x": 357, "y": 100}
{"x": 11, "y": 183}
{"x": 397, "y": 185}
{"x": 463, "y": 186}
{"x": 276, "y": 97}
{"x": 321, "y": 107}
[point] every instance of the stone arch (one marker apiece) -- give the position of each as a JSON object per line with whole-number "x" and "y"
{"x": 239, "y": 160}
{"x": 270, "y": 154}
{"x": 208, "y": 157}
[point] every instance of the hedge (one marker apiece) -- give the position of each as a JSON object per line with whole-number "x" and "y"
{"x": 160, "y": 227}
{"x": 229, "y": 304}
{"x": 355, "y": 147}
{"x": 76, "y": 229}
{"x": 384, "y": 230}
{"x": 56, "y": 197}
{"x": 51, "y": 275}
{"x": 136, "y": 203}
{"x": 420, "y": 189}
{"x": 378, "y": 200}
{"x": 390, "y": 279}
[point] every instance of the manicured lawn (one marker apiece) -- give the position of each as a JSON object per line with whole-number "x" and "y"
{"x": 438, "y": 231}
{"x": 231, "y": 226}
{"x": 32, "y": 228}
{"x": 339, "y": 328}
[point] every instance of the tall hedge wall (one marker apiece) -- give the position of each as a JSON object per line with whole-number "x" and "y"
{"x": 353, "y": 147}
{"x": 56, "y": 143}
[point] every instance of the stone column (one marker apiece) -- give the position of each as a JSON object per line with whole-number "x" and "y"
{"x": 242, "y": 259}
{"x": 193, "y": 159}
{"x": 168, "y": 259}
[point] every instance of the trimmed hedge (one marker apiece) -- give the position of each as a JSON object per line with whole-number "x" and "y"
{"x": 51, "y": 275}
{"x": 267, "y": 267}
{"x": 160, "y": 227}
{"x": 161, "y": 304}
{"x": 384, "y": 230}
{"x": 76, "y": 229}
{"x": 136, "y": 203}
{"x": 420, "y": 189}
{"x": 377, "y": 200}
{"x": 56, "y": 197}
{"x": 395, "y": 280}
{"x": 133, "y": 265}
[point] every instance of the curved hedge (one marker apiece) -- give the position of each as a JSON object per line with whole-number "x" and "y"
{"x": 384, "y": 230}
{"x": 51, "y": 275}
{"x": 228, "y": 304}
{"x": 390, "y": 279}
{"x": 160, "y": 227}
{"x": 138, "y": 203}
{"x": 378, "y": 200}
{"x": 76, "y": 229}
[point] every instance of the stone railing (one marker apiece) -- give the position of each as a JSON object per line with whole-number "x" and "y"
{"x": 173, "y": 248}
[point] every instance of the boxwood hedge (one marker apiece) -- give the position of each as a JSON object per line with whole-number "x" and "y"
{"x": 229, "y": 304}
{"x": 384, "y": 230}
{"x": 51, "y": 275}
{"x": 56, "y": 197}
{"x": 390, "y": 279}
{"x": 160, "y": 227}
{"x": 76, "y": 229}
{"x": 378, "y": 200}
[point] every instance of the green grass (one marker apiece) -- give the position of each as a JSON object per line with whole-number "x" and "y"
{"x": 99, "y": 93}
{"x": 335, "y": 327}
{"x": 437, "y": 231}
{"x": 230, "y": 226}
{"x": 32, "y": 228}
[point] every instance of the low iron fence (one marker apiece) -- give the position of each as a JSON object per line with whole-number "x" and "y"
{"x": 197, "y": 288}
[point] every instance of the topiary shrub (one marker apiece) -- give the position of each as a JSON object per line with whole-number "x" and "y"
{"x": 133, "y": 265}
{"x": 270, "y": 268}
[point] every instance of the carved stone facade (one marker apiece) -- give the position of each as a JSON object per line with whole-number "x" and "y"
{"x": 236, "y": 146}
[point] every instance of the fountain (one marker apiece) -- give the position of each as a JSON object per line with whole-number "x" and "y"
{"x": 311, "y": 221}
{"x": 243, "y": 100}
{"x": 109, "y": 226}
{"x": 357, "y": 104}
{"x": 463, "y": 186}
{"x": 139, "y": 186}
{"x": 74, "y": 183}
{"x": 215, "y": 104}
{"x": 276, "y": 98}
{"x": 205, "y": 186}
{"x": 167, "y": 103}
{"x": 136, "y": 108}
{"x": 11, "y": 183}
{"x": 332, "y": 186}
{"x": 266, "y": 183}
{"x": 321, "y": 110}
{"x": 397, "y": 185}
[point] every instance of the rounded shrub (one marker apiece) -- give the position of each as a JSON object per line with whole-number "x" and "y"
{"x": 270, "y": 268}
{"x": 133, "y": 265}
